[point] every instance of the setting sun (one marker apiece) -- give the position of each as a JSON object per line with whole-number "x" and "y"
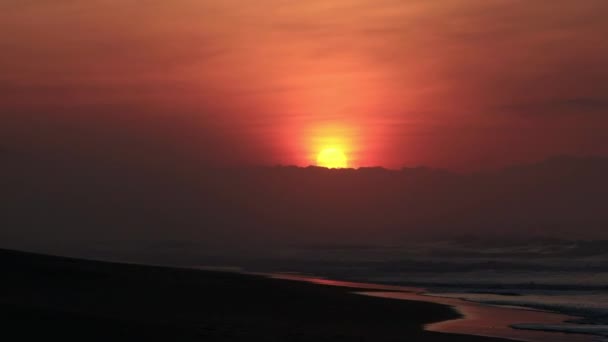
{"x": 332, "y": 158}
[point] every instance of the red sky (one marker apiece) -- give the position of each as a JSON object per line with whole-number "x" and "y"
{"x": 463, "y": 84}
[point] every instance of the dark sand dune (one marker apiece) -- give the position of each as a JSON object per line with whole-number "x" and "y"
{"x": 45, "y": 298}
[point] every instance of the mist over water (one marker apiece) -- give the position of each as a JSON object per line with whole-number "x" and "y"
{"x": 503, "y": 237}
{"x": 458, "y": 146}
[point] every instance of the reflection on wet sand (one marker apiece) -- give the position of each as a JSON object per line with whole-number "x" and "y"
{"x": 478, "y": 319}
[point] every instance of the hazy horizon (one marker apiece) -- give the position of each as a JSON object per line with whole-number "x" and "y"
{"x": 458, "y": 84}
{"x": 456, "y": 145}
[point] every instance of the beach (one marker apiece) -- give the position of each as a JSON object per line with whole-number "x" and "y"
{"x": 70, "y": 299}
{"x": 508, "y": 322}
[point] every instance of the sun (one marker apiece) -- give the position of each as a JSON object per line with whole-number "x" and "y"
{"x": 332, "y": 158}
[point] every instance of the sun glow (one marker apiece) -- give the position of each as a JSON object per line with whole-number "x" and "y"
{"x": 332, "y": 158}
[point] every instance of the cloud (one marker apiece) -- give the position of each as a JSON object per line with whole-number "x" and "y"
{"x": 578, "y": 106}
{"x": 270, "y": 70}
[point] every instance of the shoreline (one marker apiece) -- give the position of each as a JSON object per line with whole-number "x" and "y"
{"x": 47, "y": 297}
{"x": 239, "y": 306}
{"x": 508, "y": 322}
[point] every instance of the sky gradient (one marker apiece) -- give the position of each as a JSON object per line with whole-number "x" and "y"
{"x": 461, "y": 84}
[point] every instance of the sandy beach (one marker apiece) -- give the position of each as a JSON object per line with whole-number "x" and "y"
{"x": 476, "y": 319}
{"x": 61, "y": 298}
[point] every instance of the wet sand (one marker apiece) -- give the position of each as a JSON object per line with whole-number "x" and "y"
{"x": 52, "y": 298}
{"x": 493, "y": 321}
{"x": 477, "y": 319}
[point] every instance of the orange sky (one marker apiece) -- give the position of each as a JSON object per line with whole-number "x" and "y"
{"x": 464, "y": 84}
